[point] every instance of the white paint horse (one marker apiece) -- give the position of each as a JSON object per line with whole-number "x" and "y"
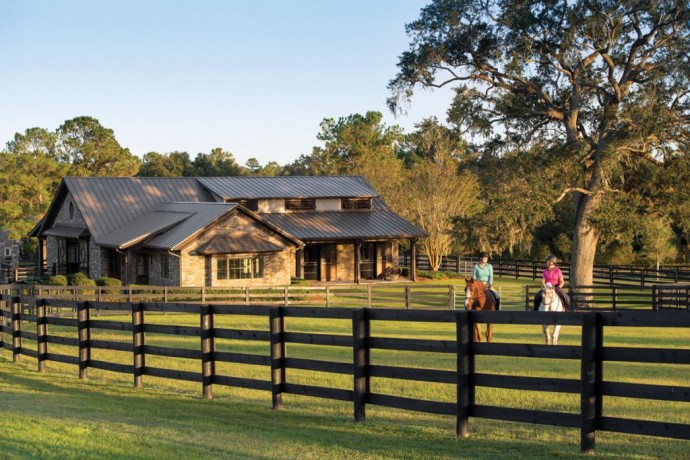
{"x": 551, "y": 302}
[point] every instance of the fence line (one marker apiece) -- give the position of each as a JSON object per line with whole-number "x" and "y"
{"x": 531, "y": 269}
{"x": 591, "y": 354}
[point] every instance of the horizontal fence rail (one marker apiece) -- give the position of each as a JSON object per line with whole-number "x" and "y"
{"x": 17, "y": 328}
{"x": 531, "y": 269}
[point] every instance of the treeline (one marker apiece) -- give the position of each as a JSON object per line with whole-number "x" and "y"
{"x": 464, "y": 199}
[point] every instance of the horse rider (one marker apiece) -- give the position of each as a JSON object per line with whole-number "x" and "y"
{"x": 484, "y": 272}
{"x": 554, "y": 276}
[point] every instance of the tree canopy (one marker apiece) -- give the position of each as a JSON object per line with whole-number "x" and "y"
{"x": 600, "y": 86}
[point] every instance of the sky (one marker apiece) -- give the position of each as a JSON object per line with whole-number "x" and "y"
{"x": 255, "y": 78}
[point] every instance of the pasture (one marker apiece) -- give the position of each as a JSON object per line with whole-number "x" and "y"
{"x": 56, "y": 415}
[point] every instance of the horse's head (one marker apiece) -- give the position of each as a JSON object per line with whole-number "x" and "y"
{"x": 473, "y": 290}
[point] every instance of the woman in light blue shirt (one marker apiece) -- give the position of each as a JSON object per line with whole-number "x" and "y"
{"x": 484, "y": 272}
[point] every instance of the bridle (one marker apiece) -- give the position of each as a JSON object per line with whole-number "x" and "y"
{"x": 473, "y": 295}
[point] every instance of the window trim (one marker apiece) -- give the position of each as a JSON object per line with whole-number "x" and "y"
{"x": 228, "y": 270}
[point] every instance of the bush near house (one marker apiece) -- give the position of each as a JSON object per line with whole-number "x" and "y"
{"x": 439, "y": 275}
{"x": 105, "y": 281}
{"x": 57, "y": 280}
{"x": 80, "y": 279}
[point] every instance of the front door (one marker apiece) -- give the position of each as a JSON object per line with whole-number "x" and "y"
{"x": 367, "y": 261}
{"x": 143, "y": 269}
{"x": 312, "y": 262}
{"x": 330, "y": 262}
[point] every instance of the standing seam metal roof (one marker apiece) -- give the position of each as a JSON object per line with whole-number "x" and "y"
{"x": 238, "y": 187}
{"x": 109, "y": 203}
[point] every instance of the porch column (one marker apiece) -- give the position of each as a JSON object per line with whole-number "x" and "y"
{"x": 413, "y": 262}
{"x": 298, "y": 263}
{"x": 358, "y": 245}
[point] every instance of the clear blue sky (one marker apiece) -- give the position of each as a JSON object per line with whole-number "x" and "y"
{"x": 252, "y": 77}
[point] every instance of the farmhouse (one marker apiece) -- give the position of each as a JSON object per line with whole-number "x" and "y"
{"x": 221, "y": 231}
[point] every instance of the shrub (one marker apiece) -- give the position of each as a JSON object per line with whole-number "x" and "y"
{"x": 57, "y": 280}
{"x": 105, "y": 281}
{"x": 298, "y": 281}
{"x": 80, "y": 279}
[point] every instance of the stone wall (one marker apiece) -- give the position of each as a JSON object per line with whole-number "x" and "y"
{"x": 200, "y": 270}
{"x": 346, "y": 262}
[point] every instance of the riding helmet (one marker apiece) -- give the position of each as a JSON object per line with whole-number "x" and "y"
{"x": 552, "y": 258}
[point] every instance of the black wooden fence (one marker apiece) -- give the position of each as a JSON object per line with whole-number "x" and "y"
{"x": 592, "y": 355}
{"x": 531, "y": 269}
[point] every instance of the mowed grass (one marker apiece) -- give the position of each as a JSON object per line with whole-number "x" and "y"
{"x": 56, "y": 415}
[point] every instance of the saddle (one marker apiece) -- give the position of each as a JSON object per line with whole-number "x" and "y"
{"x": 565, "y": 299}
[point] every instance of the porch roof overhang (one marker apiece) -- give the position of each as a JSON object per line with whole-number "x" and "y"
{"x": 377, "y": 225}
{"x": 245, "y": 244}
{"x": 66, "y": 231}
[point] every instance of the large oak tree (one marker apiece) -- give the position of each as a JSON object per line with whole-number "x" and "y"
{"x": 604, "y": 83}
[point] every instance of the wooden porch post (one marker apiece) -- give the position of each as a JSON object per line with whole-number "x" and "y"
{"x": 358, "y": 245}
{"x": 413, "y": 261}
{"x": 298, "y": 263}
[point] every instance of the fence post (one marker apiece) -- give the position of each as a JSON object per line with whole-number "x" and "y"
{"x": 614, "y": 294}
{"x": 16, "y": 330}
{"x": 589, "y": 396}
{"x": 642, "y": 276}
{"x": 246, "y": 295}
{"x": 138, "y": 341}
{"x": 84, "y": 331}
{"x": 457, "y": 264}
{"x": 465, "y": 368}
{"x": 328, "y": 296}
{"x": 41, "y": 334}
{"x": 286, "y": 296}
{"x": 655, "y": 297}
{"x": 208, "y": 348}
{"x": 361, "y": 330}
{"x": 278, "y": 354}
{"x": 451, "y": 297}
{"x": 368, "y": 295}
{"x": 203, "y": 294}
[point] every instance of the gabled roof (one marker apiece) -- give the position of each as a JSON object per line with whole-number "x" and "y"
{"x": 202, "y": 215}
{"x": 109, "y": 203}
{"x": 252, "y": 187}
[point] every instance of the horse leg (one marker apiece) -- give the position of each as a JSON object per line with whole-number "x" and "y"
{"x": 489, "y": 331}
{"x": 556, "y": 331}
{"x": 547, "y": 334}
{"x": 477, "y": 333}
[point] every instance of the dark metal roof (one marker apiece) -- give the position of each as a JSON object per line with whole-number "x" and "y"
{"x": 67, "y": 231}
{"x": 242, "y": 244}
{"x": 143, "y": 227}
{"x": 345, "y": 225}
{"x": 200, "y": 216}
{"x": 238, "y": 187}
{"x": 109, "y": 203}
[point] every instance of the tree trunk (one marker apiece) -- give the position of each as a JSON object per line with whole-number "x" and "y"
{"x": 585, "y": 240}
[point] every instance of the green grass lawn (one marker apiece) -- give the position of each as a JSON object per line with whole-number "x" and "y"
{"x": 55, "y": 415}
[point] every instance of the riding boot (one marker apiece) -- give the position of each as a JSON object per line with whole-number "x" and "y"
{"x": 498, "y": 303}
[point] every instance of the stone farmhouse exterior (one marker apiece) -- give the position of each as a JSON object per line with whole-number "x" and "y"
{"x": 221, "y": 231}
{"x": 9, "y": 256}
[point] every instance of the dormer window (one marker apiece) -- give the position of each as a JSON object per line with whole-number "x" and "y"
{"x": 252, "y": 205}
{"x": 355, "y": 203}
{"x": 71, "y": 210}
{"x": 300, "y": 204}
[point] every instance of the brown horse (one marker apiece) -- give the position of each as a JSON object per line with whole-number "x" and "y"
{"x": 478, "y": 298}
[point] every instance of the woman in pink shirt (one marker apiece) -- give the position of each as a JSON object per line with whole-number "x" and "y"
{"x": 553, "y": 275}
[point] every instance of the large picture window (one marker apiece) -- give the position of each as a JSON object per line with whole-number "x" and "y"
{"x": 236, "y": 268}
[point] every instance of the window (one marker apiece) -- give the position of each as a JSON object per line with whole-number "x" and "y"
{"x": 8, "y": 252}
{"x": 252, "y": 205}
{"x": 300, "y": 204}
{"x": 239, "y": 268}
{"x": 355, "y": 203}
{"x": 165, "y": 266}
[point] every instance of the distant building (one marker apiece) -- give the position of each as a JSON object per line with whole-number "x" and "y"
{"x": 9, "y": 256}
{"x": 221, "y": 231}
